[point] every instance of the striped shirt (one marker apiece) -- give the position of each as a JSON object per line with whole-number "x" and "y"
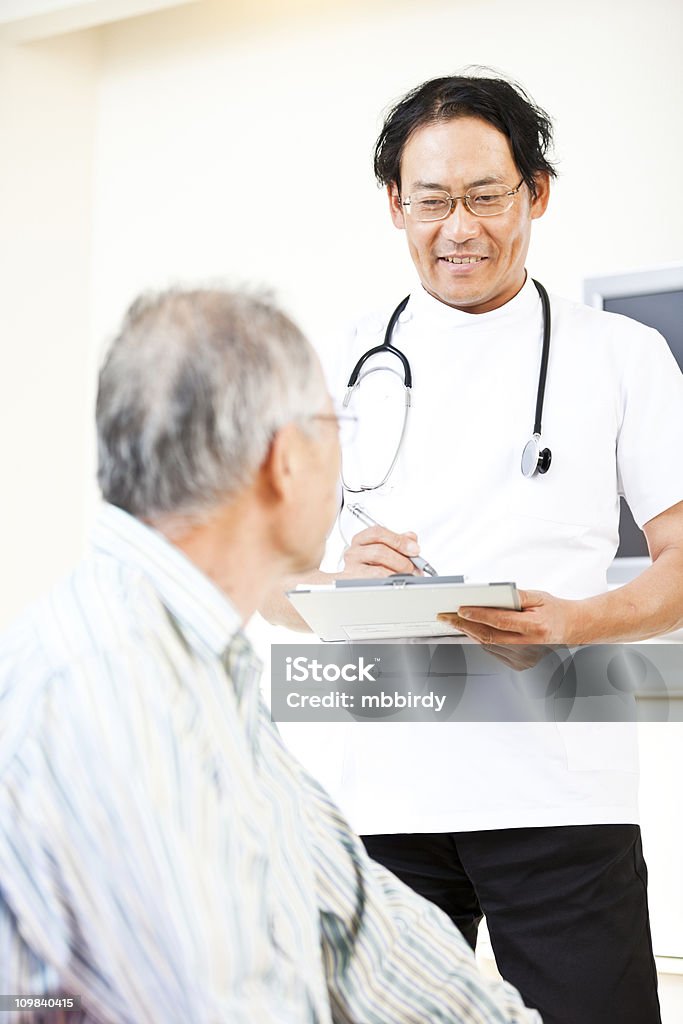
{"x": 162, "y": 855}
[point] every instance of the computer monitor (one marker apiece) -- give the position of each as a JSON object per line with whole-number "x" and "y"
{"x": 655, "y": 298}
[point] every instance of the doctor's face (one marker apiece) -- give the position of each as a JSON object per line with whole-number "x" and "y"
{"x": 453, "y": 156}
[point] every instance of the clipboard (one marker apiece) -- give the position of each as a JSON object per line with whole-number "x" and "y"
{"x": 395, "y": 608}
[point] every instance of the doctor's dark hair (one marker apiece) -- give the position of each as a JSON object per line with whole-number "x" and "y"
{"x": 191, "y": 394}
{"x": 505, "y": 105}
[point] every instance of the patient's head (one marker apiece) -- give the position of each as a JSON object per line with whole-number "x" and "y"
{"x": 208, "y": 395}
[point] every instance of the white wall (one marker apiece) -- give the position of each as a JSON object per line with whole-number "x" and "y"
{"x": 29, "y": 20}
{"x": 47, "y": 113}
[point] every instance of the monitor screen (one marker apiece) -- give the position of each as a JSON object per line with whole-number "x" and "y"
{"x": 662, "y": 310}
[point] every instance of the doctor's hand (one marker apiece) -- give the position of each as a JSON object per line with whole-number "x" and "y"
{"x": 520, "y": 657}
{"x": 377, "y": 552}
{"x": 544, "y": 619}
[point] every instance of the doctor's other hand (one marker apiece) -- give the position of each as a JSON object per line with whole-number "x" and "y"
{"x": 520, "y": 657}
{"x": 377, "y": 552}
{"x": 544, "y": 619}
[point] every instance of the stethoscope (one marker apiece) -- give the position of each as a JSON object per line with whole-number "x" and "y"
{"x": 534, "y": 458}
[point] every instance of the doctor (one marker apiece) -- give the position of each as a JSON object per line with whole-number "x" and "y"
{"x": 532, "y": 824}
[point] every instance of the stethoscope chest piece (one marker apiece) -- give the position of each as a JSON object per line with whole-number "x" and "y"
{"x": 534, "y": 459}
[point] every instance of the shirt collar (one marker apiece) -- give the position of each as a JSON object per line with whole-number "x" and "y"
{"x": 525, "y": 303}
{"x": 201, "y": 609}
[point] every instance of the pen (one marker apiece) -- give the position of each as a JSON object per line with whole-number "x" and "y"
{"x": 420, "y": 563}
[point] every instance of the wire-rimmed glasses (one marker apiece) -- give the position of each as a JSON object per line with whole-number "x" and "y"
{"x": 346, "y": 423}
{"x": 481, "y": 200}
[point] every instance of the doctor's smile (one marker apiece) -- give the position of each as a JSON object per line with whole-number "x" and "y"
{"x": 461, "y": 264}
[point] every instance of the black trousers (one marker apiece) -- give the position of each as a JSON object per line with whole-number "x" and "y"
{"x": 566, "y": 909}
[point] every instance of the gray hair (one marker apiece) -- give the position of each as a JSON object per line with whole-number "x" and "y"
{"x": 191, "y": 394}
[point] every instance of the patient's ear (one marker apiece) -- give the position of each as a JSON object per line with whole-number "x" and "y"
{"x": 281, "y": 467}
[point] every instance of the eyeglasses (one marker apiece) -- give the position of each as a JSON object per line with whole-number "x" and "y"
{"x": 482, "y": 201}
{"x": 346, "y": 423}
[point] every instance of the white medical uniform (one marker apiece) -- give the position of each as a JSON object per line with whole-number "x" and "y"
{"x": 613, "y": 418}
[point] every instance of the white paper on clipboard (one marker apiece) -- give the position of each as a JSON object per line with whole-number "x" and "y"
{"x": 386, "y": 610}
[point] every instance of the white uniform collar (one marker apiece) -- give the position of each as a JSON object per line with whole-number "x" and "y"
{"x": 423, "y": 305}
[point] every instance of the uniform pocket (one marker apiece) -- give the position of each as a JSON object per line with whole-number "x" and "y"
{"x": 556, "y": 500}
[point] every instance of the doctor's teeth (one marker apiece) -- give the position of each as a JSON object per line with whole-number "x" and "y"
{"x": 465, "y": 259}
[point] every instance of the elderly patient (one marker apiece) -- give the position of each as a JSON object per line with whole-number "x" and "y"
{"x": 162, "y": 856}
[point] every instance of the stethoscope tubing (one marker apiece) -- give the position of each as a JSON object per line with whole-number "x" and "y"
{"x": 538, "y": 460}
